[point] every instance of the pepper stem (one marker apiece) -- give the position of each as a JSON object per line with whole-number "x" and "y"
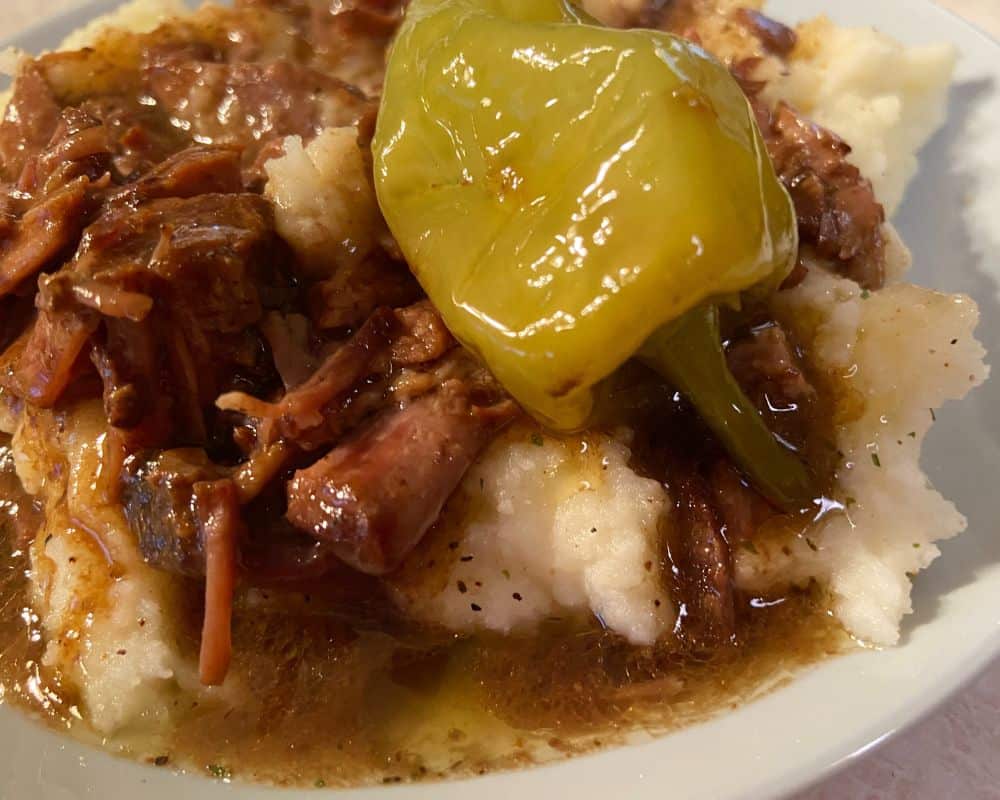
{"x": 688, "y": 354}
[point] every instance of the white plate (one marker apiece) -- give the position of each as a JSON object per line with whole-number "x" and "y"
{"x": 838, "y": 711}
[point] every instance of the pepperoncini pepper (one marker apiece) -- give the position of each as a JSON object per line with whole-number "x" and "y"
{"x": 571, "y": 196}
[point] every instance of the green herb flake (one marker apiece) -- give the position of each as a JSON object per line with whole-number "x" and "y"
{"x": 933, "y": 415}
{"x": 505, "y": 573}
{"x": 812, "y": 545}
{"x": 320, "y": 783}
{"x": 876, "y": 460}
{"x": 916, "y": 545}
{"x": 537, "y": 440}
{"x": 220, "y": 772}
{"x": 850, "y": 501}
{"x": 865, "y": 294}
{"x": 750, "y": 547}
{"x": 912, "y": 434}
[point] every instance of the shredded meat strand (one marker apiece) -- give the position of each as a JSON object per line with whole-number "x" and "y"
{"x": 218, "y": 511}
{"x": 702, "y": 555}
{"x": 44, "y": 232}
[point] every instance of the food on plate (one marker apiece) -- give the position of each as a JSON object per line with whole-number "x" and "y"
{"x": 397, "y": 393}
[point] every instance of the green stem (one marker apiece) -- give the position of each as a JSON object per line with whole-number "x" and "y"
{"x": 688, "y": 353}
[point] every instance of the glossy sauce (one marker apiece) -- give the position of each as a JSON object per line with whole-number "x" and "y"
{"x": 320, "y": 701}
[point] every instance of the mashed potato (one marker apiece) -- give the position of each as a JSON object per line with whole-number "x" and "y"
{"x": 550, "y": 527}
{"x": 883, "y": 98}
{"x": 324, "y": 203}
{"x": 903, "y": 351}
{"x": 106, "y": 614}
{"x": 138, "y": 16}
{"x": 553, "y": 530}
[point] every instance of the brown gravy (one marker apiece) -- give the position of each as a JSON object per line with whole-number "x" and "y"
{"x": 321, "y": 703}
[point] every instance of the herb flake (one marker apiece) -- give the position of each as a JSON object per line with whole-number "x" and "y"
{"x": 876, "y": 460}
{"x": 220, "y": 772}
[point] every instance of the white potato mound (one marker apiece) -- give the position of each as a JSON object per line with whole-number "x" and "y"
{"x": 106, "y": 614}
{"x": 137, "y": 16}
{"x": 903, "y": 351}
{"x": 553, "y": 527}
{"x": 325, "y": 204}
{"x": 883, "y": 98}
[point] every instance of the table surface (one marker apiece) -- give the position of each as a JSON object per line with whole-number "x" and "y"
{"x": 953, "y": 754}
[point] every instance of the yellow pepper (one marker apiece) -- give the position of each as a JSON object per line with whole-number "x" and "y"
{"x": 566, "y": 193}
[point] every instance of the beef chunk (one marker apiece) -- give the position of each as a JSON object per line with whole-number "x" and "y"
{"x": 250, "y": 105}
{"x": 701, "y": 555}
{"x": 205, "y": 260}
{"x": 159, "y": 504}
{"x": 776, "y": 38}
{"x": 31, "y": 119}
{"x": 771, "y": 373}
{"x": 352, "y": 381}
{"x": 374, "y": 497}
{"x": 42, "y": 234}
{"x": 835, "y": 204}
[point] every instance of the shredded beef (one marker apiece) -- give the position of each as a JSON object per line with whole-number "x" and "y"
{"x": 771, "y": 373}
{"x": 251, "y": 105}
{"x": 775, "y": 37}
{"x": 219, "y": 515}
{"x": 42, "y": 234}
{"x": 701, "y": 555}
{"x": 348, "y": 298}
{"x": 351, "y": 381}
{"x": 349, "y": 35}
{"x": 29, "y": 122}
{"x": 837, "y": 211}
{"x": 172, "y": 285}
